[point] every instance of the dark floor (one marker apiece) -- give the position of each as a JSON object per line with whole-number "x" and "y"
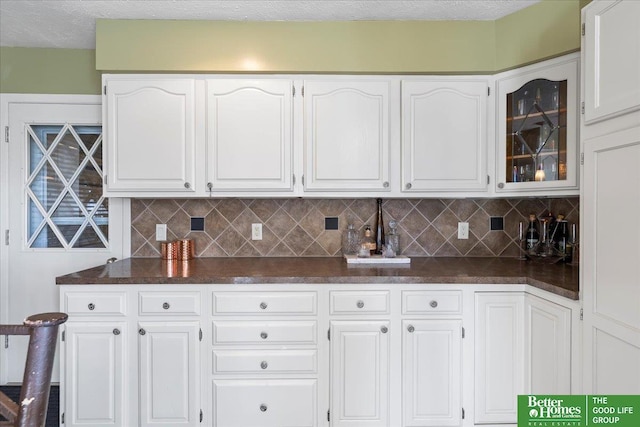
{"x": 53, "y": 414}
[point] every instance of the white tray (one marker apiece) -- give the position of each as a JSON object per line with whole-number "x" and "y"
{"x": 377, "y": 259}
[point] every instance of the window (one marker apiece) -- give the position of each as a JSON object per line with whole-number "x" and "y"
{"x": 65, "y": 205}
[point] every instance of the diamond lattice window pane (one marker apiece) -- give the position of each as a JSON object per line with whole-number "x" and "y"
{"x": 89, "y": 139}
{"x": 88, "y": 239}
{"x": 47, "y": 186}
{"x": 47, "y": 239}
{"x": 35, "y": 219}
{"x": 67, "y": 155}
{"x": 88, "y": 186}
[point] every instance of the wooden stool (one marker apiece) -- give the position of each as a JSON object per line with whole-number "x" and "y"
{"x": 34, "y": 395}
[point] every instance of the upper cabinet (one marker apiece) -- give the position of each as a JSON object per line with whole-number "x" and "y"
{"x": 346, "y": 135}
{"x": 536, "y": 150}
{"x": 249, "y": 135}
{"x": 150, "y": 134}
{"x": 611, "y": 32}
{"x": 444, "y": 135}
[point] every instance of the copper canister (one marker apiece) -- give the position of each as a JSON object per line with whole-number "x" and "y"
{"x": 169, "y": 250}
{"x": 186, "y": 249}
{"x": 171, "y": 268}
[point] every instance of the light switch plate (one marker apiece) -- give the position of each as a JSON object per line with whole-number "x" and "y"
{"x": 161, "y": 232}
{"x": 463, "y": 230}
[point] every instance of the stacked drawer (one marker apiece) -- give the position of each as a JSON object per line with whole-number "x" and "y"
{"x": 265, "y": 359}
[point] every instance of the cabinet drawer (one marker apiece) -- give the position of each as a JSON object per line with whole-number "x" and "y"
{"x": 265, "y": 403}
{"x": 101, "y": 303}
{"x": 370, "y": 302}
{"x": 250, "y": 332}
{"x": 431, "y": 302}
{"x": 264, "y": 361}
{"x": 295, "y": 303}
{"x": 169, "y": 303}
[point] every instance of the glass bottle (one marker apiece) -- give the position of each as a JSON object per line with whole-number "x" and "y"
{"x": 561, "y": 238}
{"x": 393, "y": 239}
{"x": 350, "y": 241}
{"x": 380, "y": 241}
{"x": 533, "y": 237}
{"x": 367, "y": 239}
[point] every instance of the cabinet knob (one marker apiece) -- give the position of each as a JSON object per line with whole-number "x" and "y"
{"x": 385, "y": 184}
{"x": 433, "y": 304}
{"x": 187, "y": 185}
{"x": 142, "y": 331}
{"x": 263, "y": 305}
{"x": 91, "y": 306}
{"x": 209, "y": 186}
{"x": 263, "y": 407}
{"x": 410, "y": 328}
{"x": 166, "y": 306}
{"x": 408, "y": 186}
{"x": 360, "y": 304}
{"x": 264, "y": 364}
{"x": 264, "y": 335}
{"x": 384, "y": 329}
{"x": 116, "y": 331}
{"x": 501, "y": 185}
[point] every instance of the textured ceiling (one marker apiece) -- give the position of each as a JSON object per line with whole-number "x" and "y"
{"x": 71, "y": 24}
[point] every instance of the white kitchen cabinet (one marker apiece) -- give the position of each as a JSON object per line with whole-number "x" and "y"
{"x": 94, "y": 360}
{"x": 547, "y": 347}
{"x": 499, "y": 356}
{"x": 444, "y": 135}
{"x": 150, "y": 131}
{"x": 249, "y": 134}
{"x": 169, "y": 380}
{"x": 432, "y": 373}
{"x": 346, "y": 135}
{"x": 360, "y": 373}
{"x": 611, "y": 55}
{"x": 536, "y": 129}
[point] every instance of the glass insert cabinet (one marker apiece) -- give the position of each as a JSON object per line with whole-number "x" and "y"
{"x": 537, "y": 130}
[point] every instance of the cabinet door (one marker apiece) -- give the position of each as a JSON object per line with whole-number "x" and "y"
{"x": 431, "y": 372}
{"x": 611, "y": 49}
{"x": 548, "y": 347}
{"x": 249, "y": 135}
{"x": 94, "y": 391}
{"x": 346, "y": 128}
{"x": 537, "y": 129}
{"x": 444, "y": 135}
{"x": 499, "y": 357}
{"x": 359, "y": 373}
{"x": 169, "y": 373}
{"x": 150, "y": 135}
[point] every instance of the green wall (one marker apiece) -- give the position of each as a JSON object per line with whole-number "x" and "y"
{"x": 544, "y": 30}
{"x": 54, "y": 71}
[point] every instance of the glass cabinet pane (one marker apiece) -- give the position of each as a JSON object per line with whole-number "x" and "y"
{"x": 536, "y": 132}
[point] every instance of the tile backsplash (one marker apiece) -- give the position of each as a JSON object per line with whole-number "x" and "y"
{"x": 296, "y": 227}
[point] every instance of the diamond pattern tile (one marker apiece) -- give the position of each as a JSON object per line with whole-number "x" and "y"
{"x": 295, "y": 227}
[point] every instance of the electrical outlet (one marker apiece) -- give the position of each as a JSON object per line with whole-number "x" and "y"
{"x": 463, "y": 230}
{"x": 256, "y": 231}
{"x": 161, "y": 232}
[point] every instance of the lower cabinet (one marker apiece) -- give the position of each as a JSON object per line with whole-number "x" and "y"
{"x": 94, "y": 364}
{"x": 360, "y": 373}
{"x": 432, "y": 373}
{"x": 295, "y": 355}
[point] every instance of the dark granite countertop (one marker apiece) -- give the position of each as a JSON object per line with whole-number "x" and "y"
{"x": 560, "y": 279}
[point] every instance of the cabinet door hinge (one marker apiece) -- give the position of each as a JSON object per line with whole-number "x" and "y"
{"x": 328, "y": 415}
{"x": 582, "y": 159}
{"x": 62, "y": 419}
{"x": 463, "y": 332}
{"x": 104, "y": 178}
{"x": 294, "y": 179}
{"x": 488, "y": 91}
{"x": 583, "y": 29}
{"x": 302, "y": 91}
{"x": 329, "y": 334}
{"x": 6, "y": 237}
{"x": 488, "y": 180}
{"x": 463, "y": 413}
{"x": 6, "y": 134}
{"x": 200, "y": 334}
{"x": 582, "y": 107}
{"x": 104, "y": 89}
{"x": 581, "y": 314}
{"x": 63, "y": 335}
{"x": 302, "y": 179}
{"x": 201, "y": 416}
{"x": 6, "y": 341}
